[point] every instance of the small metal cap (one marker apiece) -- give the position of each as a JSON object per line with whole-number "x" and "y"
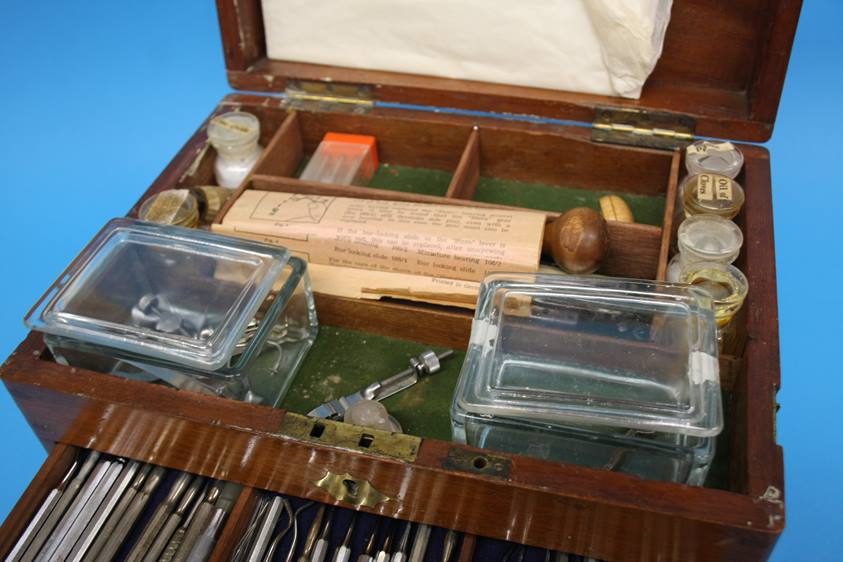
{"x": 426, "y": 363}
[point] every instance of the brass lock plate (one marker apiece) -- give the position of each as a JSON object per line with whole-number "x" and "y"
{"x": 350, "y": 437}
{"x": 356, "y": 491}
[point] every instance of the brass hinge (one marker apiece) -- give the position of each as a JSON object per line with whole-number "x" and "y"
{"x": 642, "y": 127}
{"x": 329, "y": 96}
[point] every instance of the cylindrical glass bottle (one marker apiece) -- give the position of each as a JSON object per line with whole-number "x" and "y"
{"x": 235, "y": 136}
{"x": 713, "y": 157}
{"x": 711, "y": 194}
{"x": 725, "y": 283}
{"x": 705, "y": 238}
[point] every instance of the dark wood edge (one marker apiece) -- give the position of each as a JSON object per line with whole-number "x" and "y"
{"x": 469, "y": 544}
{"x": 242, "y": 30}
{"x": 669, "y": 211}
{"x": 48, "y": 477}
{"x": 464, "y": 181}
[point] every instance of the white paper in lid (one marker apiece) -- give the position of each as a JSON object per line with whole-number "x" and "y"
{"x": 605, "y": 47}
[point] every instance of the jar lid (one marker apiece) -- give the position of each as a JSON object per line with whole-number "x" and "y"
{"x": 572, "y": 350}
{"x": 171, "y": 206}
{"x": 182, "y": 295}
{"x": 713, "y": 157}
{"x": 709, "y": 237}
{"x": 234, "y": 128}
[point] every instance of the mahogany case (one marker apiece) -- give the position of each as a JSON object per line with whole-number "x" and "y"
{"x": 723, "y": 68}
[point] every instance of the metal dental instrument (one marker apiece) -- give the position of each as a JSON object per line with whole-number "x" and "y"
{"x": 427, "y": 363}
{"x": 106, "y": 508}
{"x": 560, "y": 557}
{"x": 292, "y": 552}
{"x": 273, "y": 545}
{"x": 320, "y": 550}
{"x": 400, "y": 554}
{"x": 383, "y": 553}
{"x": 367, "y": 555}
{"x": 188, "y": 533}
{"x": 245, "y": 542}
{"x": 133, "y": 511}
{"x": 60, "y": 508}
{"x": 343, "y": 551}
{"x": 449, "y": 545}
{"x": 174, "y": 519}
{"x": 117, "y": 513}
{"x": 71, "y": 525}
{"x": 41, "y": 515}
{"x": 159, "y": 517}
{"x": 312, "y": 535}
{"x": 273, "y": 513}
{"x": 205, "y": 542}
{"x": 420, "y": 543}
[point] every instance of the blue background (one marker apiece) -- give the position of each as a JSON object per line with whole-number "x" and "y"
{"x": 96, "y": 98}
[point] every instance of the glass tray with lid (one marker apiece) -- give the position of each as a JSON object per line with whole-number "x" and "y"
{"x": 568, "y": 368}
{"x": 193, "y": 309}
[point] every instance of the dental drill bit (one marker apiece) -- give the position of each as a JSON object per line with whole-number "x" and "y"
{"x": 383, "y": 553}
{"x": 420, "y": 543}
{"x": 400, "y": 554}
{"x": 367, "y": 555}
{"x": 320, "y": 551}
{"x": 449, "y": 545}
{"x": 312, "y": 535}
{"x": 343, "y": 551}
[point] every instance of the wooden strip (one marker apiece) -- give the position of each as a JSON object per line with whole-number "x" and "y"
{"x": 235, "y": 525}
{"x": 284, "y": 152}
{"x": 464, "y": 183}
{"x": 241, "y": 24}
{"x": 48, "y": 477}
{"x": 668, "y": 230}
{"x": 469, "y": 543}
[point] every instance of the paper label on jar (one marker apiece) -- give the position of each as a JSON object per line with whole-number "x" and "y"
{"x": 705, "y": 187}
{"x": 705, "y": 147}
{"x": 723, "y": 188}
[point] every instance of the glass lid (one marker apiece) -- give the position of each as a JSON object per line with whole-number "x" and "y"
{"x": 593, "y": 351}
{"x": 162, "y": 291}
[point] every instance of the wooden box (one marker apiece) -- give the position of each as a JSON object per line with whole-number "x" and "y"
{"x": 721, "y": 75}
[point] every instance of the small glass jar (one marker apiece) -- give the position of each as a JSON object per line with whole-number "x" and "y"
{"x": 711, "y": 194}
{"x": 235, "y": 136}
{"x": 713, "y": 157}
{"x": 178, "y": 207}
{"x": 705, "y": 238}
{"x": 725, "y": 283}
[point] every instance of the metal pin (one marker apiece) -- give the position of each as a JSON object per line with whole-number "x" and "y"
{"x": 312, "y": 535}
{"x": 343, "y": 551}
{"x": 41, "y": 516}
{"x": 133, "y": 511}
{"x": 159, "y": 517}
{"x": 320, "y": 550}
{"x": 449, "y": 545}
{"x": 244, "y": 544}
{"x": 400, "y": 554}
{"x": 420, "y": 543}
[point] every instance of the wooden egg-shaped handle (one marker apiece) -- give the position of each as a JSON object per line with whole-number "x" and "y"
{"x": 577, "y": 241}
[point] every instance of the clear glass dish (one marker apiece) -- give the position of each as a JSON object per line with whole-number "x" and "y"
{"x": 197, "y": 310}
{"x": 556, "y": 360}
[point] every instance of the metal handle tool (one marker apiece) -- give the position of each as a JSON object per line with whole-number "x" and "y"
{"x": 117, "y": 513}
{"x": 133, "y": 511}
{"x": 427, "y": 363}
{"x": 420, "y": 543}
{"x": 60, "y": 508}
{"x": 106, "y": 508}
{"x": 367, "y": 555}
{"x": 41, "y": 516}
{"x": 343, "y": 552}
{"x": 320, "y": 550}
{"x": 152, "y": 528}
{"x": 273, "y": 513}
{"x": 312, "y": 535}
{"x": 195, "y": 525}
{"x": 400, "y": 554}
{"x": 383, "y": 553}
{"x": 449, "y": 545}
{"x": 174, "y": 519}
{"x": 205, "y": 542}
{"x": 71, "y": 525}
{"x": 244, "y": 545}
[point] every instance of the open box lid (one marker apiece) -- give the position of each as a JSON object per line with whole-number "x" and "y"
{"x": 721, "y": 74}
